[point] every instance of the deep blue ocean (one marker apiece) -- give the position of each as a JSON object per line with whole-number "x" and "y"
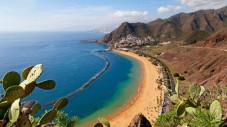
{"x": 71, "y": 64}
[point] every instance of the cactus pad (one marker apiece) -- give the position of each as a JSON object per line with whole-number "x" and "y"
{"x": 61, "y": 103}
{"x": 202, "y": 90}
{"x": 216, "y": 110}
{"x": 47, "y": 84}
{"x": 23, "y": 121}
{"x": 14, "y": 111}
{"x": 29, "y": 88}
{"x": 175, "y": 99}
{"x": 181, "y": 109}
{"x": 191, "y": 110}
{"x": 4, "y": 104}
{"x": 35, "y": 108}
{"x": 35, "y": 72}
{"x": 2, "y": 112}
{"x": 194, "y": 91}
{"x": 10, "y": 79}
{"x": 13, "y": 93}
{"x": 48, "y": 117}
{"x": 26, "y": 71}
{"x": 104, "y": 121}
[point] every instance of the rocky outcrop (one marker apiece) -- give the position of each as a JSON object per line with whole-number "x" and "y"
{"x": 189, "y": 27}
{"x": 140, "y": 121}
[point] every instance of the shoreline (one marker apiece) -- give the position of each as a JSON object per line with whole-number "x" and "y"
{"x": 147, "y": 99}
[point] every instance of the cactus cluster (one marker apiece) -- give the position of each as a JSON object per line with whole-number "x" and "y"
{"x": 191, "y": 104}
{"x": 13, "y": 112}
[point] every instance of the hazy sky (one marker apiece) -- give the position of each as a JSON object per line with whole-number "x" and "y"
{"x": 82, "y": 15}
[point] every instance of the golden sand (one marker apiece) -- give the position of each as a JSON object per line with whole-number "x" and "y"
{"x": 148, "y": 98}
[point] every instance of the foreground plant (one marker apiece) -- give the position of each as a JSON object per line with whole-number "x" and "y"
{"x": 189, "y": 110}
{"x": 13, "y": 112}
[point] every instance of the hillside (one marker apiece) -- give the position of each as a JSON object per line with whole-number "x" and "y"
{"x": 218, "y": 40}
{"x": 188, "y": 27}
{"x": 204, "y": 62}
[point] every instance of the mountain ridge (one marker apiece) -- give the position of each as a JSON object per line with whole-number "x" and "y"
{"x": 179, "y": 27}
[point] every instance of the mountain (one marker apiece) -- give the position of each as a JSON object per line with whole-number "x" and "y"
{"x": 186, "y": 27}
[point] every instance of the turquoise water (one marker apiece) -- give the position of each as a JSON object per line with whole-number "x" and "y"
{"x": 71, "y": 64}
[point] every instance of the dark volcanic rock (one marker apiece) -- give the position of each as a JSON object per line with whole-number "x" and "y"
{"x": 140, "y": 121}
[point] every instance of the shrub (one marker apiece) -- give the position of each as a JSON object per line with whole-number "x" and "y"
{"x": 167, "y": 120}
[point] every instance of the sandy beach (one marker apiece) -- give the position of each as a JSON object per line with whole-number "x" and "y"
{"x": 147, "y": 100}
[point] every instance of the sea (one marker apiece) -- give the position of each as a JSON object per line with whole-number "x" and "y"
{"x": 71, "y": 63}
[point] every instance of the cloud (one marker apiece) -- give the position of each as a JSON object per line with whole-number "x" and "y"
{"x": 121, "y": 14}
{"x": 204, "y": 4}
{"x": 169, "y": 8}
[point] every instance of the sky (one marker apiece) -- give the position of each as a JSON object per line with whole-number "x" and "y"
{"x": 84, "y": 15}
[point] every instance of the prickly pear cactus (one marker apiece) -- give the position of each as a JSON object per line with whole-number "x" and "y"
{"x": 14, "y": 111}
{"x": 194, "y": 91}
{"x": 191, "y": 110}
{"x": 26, "y": 71}
{"x": 61, "y": 103}
{"x": 216, "y": 110}
{"x": 175, "y": 99}
{"x": 35, "y": 72}
{"x": 47, "y": 84}
{"x": 35, "y": 109}
{"x": 10, "y": 79}
{"x": 202, "y": 90}
{"x": 28, "y": 88}
{"x": 24, "y": 121}
{"x": 13, "y": 93}
{"x": 14, "y": 114}
{"x": 181, "y": 109}
{"x": 48, "y": 117}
